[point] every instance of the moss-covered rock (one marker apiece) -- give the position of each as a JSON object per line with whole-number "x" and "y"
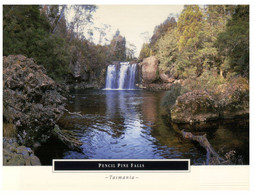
{"x": 233, "y": 99}
{"x": 195, "y": 106}
{"x": 226, "y": 101}
{"x": 15, "y": 155}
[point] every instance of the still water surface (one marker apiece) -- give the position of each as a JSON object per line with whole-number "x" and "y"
{"x": 128, "y": 124}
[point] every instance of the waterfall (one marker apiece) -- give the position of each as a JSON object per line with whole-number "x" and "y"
{"x": 111, "y": 76}
{"x": 121, "y": 77}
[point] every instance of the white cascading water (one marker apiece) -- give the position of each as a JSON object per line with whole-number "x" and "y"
{"x": 111, "y": 76}
{"x": 132, "y": 76}
{"x": 121, "y": 78}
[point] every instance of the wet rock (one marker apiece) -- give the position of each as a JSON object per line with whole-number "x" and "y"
{"x": 15, "y": 155}
{"x": 149, "y": 69}
{"x": 32, "y": 101}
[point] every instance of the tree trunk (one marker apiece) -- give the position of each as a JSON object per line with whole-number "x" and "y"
{"x": 60, "y": 17}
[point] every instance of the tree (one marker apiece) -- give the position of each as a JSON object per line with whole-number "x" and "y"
{"x": 233, "y": 44}
{"x": 130, "y": 51}
{"x": 82, "y": 17}
{"x": 162, "y": 29}
{"x": 189, "y": 34}
{"x": 103, "y": 32}
{"x": 118, "y": 47}
{"x": 27, "y": 31}
{"x": 167, "y": 51}
{"x": 189, "y": 27}
{"x": 145, "y": 51}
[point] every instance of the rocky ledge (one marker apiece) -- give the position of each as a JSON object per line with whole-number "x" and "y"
{"x": 32, "y": 101}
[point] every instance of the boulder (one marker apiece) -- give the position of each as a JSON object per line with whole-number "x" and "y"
{"x": 194, "y": 106}
{"x": 227, "y": 101}
{"x": 23, "y": 150}
{"x": 32, "y": 101}
{"x": 15, "y": 155}
{"x": 149, "y": 69}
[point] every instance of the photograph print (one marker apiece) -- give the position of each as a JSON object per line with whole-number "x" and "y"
{"x": 125, "y": 82}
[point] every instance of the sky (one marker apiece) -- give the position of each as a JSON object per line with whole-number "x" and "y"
{"x": 132, "y": 20}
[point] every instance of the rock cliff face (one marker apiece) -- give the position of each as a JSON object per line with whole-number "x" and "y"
{"x": 32, "y": 101}
{"x": 82, "y": 76}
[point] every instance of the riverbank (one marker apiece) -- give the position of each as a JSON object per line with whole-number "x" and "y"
{"x": 32, "y": 105}
{"x": 198, "y": 99}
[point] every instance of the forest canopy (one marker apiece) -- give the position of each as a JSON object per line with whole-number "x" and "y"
{"x": 202, "y": 40}
{"x": 43, "y": 33}
{"x": 214, "y": 38}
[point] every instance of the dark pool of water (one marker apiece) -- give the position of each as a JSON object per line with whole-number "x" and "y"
{"x": 129, "y": 124}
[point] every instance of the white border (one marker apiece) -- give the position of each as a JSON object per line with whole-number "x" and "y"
{"x": 18, "y": 171}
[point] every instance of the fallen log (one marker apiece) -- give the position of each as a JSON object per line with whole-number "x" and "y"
{"x": 212, "y": 157}
{"x": 68, "y": 138}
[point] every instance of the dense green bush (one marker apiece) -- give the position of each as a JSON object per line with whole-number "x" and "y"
{"x": 27, "y": 31}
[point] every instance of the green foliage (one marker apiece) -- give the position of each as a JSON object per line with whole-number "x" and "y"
{"x": 214, "y": 39}
{"x": 156, "y": 44}
{"x": 209, "y": 41}
{"x": 189, "y": 28}
{"x": 145, "y": 52}
{"x": 26, "y": 31}
{"x": 92, "y": 57}
{"x": 233, "y": 44}
{"x": 41, "y": 32}
{"x": 162, "y": 29}
{"x": 53, "y": 54}
{"x": 118, "y": 47}
{"x": 209, "y": 81}
{"x": 167, "y": 51}
{"x": 23, "y": 27}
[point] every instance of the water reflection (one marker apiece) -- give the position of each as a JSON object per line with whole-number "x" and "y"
{"x": 124, "y": 124}
{"x": 128, "y": 124}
